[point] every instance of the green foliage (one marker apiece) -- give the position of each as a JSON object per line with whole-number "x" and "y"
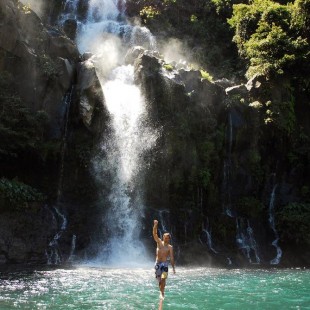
{"x": 282, "y": 113}
{"x": 250, "y": 207}
{"x": 270, "y": 36}
{"x": 20, "y": 128}
{"x": 223, "y": 7}
{"x": 206, "y": 75}
{"x": 205, "y": 177}
{"x": 48, "y": 66}
{"x": 300, "y": 150}
{"x": 168, "y": 67}
{"x": 193, "y": 18}
{"x": 17, "y": 194}
{"x": 294, "y": 222}
{"x": 255, "y": 167}
{"x": 149, "y": 12}
{"x": 200, "y": 23}
{"x": 301, "y": 17}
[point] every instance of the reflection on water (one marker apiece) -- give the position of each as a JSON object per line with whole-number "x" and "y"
{"x": 136, "y": 288}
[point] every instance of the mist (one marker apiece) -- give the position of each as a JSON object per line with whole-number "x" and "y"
{"x": 174, "y": 50}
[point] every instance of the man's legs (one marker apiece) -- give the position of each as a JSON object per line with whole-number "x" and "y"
{"x": 162, "y": 285}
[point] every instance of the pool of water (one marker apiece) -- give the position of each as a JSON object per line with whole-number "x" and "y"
{"x": 85, "y": 287}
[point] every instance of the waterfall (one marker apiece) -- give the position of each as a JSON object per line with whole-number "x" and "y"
{"x": 73, "y": 244}
{"x": 130, "y": 139}
{"x": 108, "y": 37}
{"x": 271, "y": 219}
{"x": 69, "y": 10}
{"x": 53, "y": 253}
{"x": 208, "y": 241}
{"x": 205, "y": 237}
{"x": 246, "y": 241}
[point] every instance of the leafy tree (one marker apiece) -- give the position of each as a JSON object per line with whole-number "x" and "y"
{"x": 271, "y": 36}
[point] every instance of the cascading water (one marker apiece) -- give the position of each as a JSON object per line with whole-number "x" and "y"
{"x": 246, "y": 241}
{"x": 73, "y": 245}
{"x": 69, "y": 10}
{"x": 129, "y": 141}
{"x": 53, "y": 254}
{"x": 206, "y": 234}
{"x": 245, "y": 235}
{"x": 271, "y": 219}
{"x": 108, "y": 38}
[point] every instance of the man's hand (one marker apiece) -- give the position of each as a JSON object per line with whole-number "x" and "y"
{"x": 155, "y": 231}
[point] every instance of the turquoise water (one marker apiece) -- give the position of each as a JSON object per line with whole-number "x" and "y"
{"x": 135, "y": 288}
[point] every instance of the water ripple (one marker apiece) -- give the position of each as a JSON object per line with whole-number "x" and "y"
{"x": 135, "y": 288}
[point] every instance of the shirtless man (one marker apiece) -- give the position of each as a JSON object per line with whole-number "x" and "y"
{"x": 163, "y": 251}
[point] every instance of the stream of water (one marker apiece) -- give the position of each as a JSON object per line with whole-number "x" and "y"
{"x": 106, "y": 34}
{"x": 86, "y": 287}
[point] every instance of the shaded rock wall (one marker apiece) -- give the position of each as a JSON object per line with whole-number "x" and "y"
{"x": 216, "y": 164}
{"x": 49, "y": 79}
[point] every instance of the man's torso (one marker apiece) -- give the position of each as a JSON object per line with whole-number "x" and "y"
{"x": 162, "y": 252}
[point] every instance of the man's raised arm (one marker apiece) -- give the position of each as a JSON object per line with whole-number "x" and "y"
{"x": 156, "y": 238}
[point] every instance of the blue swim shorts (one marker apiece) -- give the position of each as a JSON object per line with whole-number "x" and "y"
{"x": 161, "y": 270}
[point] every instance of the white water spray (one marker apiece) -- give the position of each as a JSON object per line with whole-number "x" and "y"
{"x": 109, "y": 39}
{"x": 69, "y": 10}
{"x": 130, "y": 140}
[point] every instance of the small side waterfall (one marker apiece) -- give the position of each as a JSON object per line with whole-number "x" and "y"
{"x": 53, "y": 253}
{"x": 271, "y": 220}
{"x": 244, "y": 232}
{"x": 73, "y": 245}
{"x": 246, "y": 241}
{"x": 207, "y": 235}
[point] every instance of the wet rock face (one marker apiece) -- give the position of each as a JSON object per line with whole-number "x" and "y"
{"x": 70, "y": 27}
{"x": 91, "y": 100}
{"x": 43, "y": 64}
{"x": 209, "y": 154}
